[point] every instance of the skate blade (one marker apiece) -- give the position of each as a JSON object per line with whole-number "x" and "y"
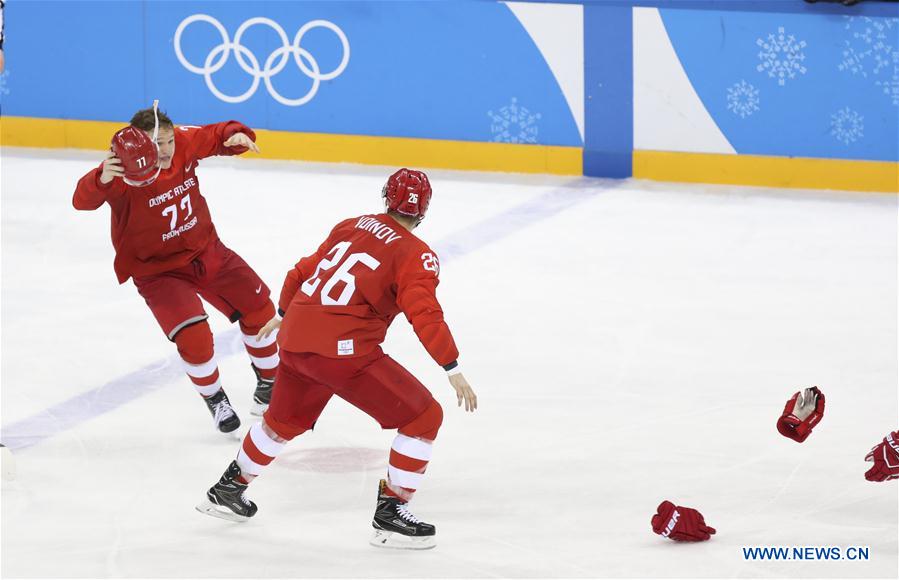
{"x": 392, "y": 540}
{"x": 258, "y": 409}
{"x": 217, "y": 511}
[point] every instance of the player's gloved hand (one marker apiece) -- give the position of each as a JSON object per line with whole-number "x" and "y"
{"x": 112, "y": 168}
{"x": 680, "y": 523}
{"x": 885, "y": 456}
{"x": 801, "y": 413}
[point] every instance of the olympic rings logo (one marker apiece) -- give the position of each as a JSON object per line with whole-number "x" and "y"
{"x": 218, "y": 56}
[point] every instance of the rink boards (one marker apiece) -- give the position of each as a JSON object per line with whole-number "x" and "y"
{"x": 758, "y": 93}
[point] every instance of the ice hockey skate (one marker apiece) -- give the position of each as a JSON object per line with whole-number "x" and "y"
{"x": 226, "y": 420}
{"x": 396, "y": 527}
{"x": 263, "y": 394}
{"x": 226, "y": 499}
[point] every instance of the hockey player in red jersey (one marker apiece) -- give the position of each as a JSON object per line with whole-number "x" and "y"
{"x": 337, "y": 304}
{"x": 165, "y": 241}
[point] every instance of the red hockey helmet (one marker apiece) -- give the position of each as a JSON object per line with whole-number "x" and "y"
{"x": 139, "y": 155}
{"x": 408, "y": 192}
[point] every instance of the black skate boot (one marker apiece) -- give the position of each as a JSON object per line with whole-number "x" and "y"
{"x": 226, "y": 420}
{"x": 226, "y": 498}
{"x": 396, "y": 527}
{"x": 263, "y": 395}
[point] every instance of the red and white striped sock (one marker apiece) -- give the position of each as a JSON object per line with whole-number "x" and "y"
{"x": 258, "y": 450}
{"x": 205, "y": 376}
{"x": 411, "y": 451}
{"x": 263, "y": 353}
{"x": 409, "y": 458}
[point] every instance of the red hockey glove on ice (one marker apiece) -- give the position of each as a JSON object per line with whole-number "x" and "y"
{"x": 680, "y": 523}
{"x": 886, "y": 459}
{"x": 801, "y": 413}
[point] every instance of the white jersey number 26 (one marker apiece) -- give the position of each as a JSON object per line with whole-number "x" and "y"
{"x": 342, "y": 274}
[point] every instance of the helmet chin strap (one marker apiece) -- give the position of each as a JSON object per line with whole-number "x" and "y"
{"x": 155, "y": 144}
{"x": 155, "y": 121}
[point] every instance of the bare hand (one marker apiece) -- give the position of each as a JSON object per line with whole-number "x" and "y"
{"x": 805, "y": 403}
{"x": 464, "y": 392}
{"x": 270, "y": 326}
{"x": 241, "y": 140}
{"x": 112, "y": 168}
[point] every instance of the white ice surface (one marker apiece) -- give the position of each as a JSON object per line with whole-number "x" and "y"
{"x": 629, "y": 342}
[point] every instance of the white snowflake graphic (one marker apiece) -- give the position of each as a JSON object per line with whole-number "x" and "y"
{"x": 890, "y": 85}
{"x": 514, "y": 124}
{"x": 4, "y": 82}
{"x": 871, "y": 51}
{"x": 871, "y": 42}
{"x": 743, "y": 99}
{"x": 847, "y": 126}
{"x": 781, "y": 56}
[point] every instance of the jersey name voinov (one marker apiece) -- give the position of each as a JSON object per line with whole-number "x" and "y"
{"x": 173, "y": 193}
{"x": 384, "y": 233}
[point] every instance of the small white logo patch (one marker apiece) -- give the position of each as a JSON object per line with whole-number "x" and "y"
{"x": 345, "y": 347}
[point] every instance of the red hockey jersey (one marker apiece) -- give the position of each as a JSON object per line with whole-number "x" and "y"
{"x": 339, "y": 301}
{"x": 164, "y": 225}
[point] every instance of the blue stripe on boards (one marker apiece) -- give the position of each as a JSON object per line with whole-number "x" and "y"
{"x": 608, "y": 91}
